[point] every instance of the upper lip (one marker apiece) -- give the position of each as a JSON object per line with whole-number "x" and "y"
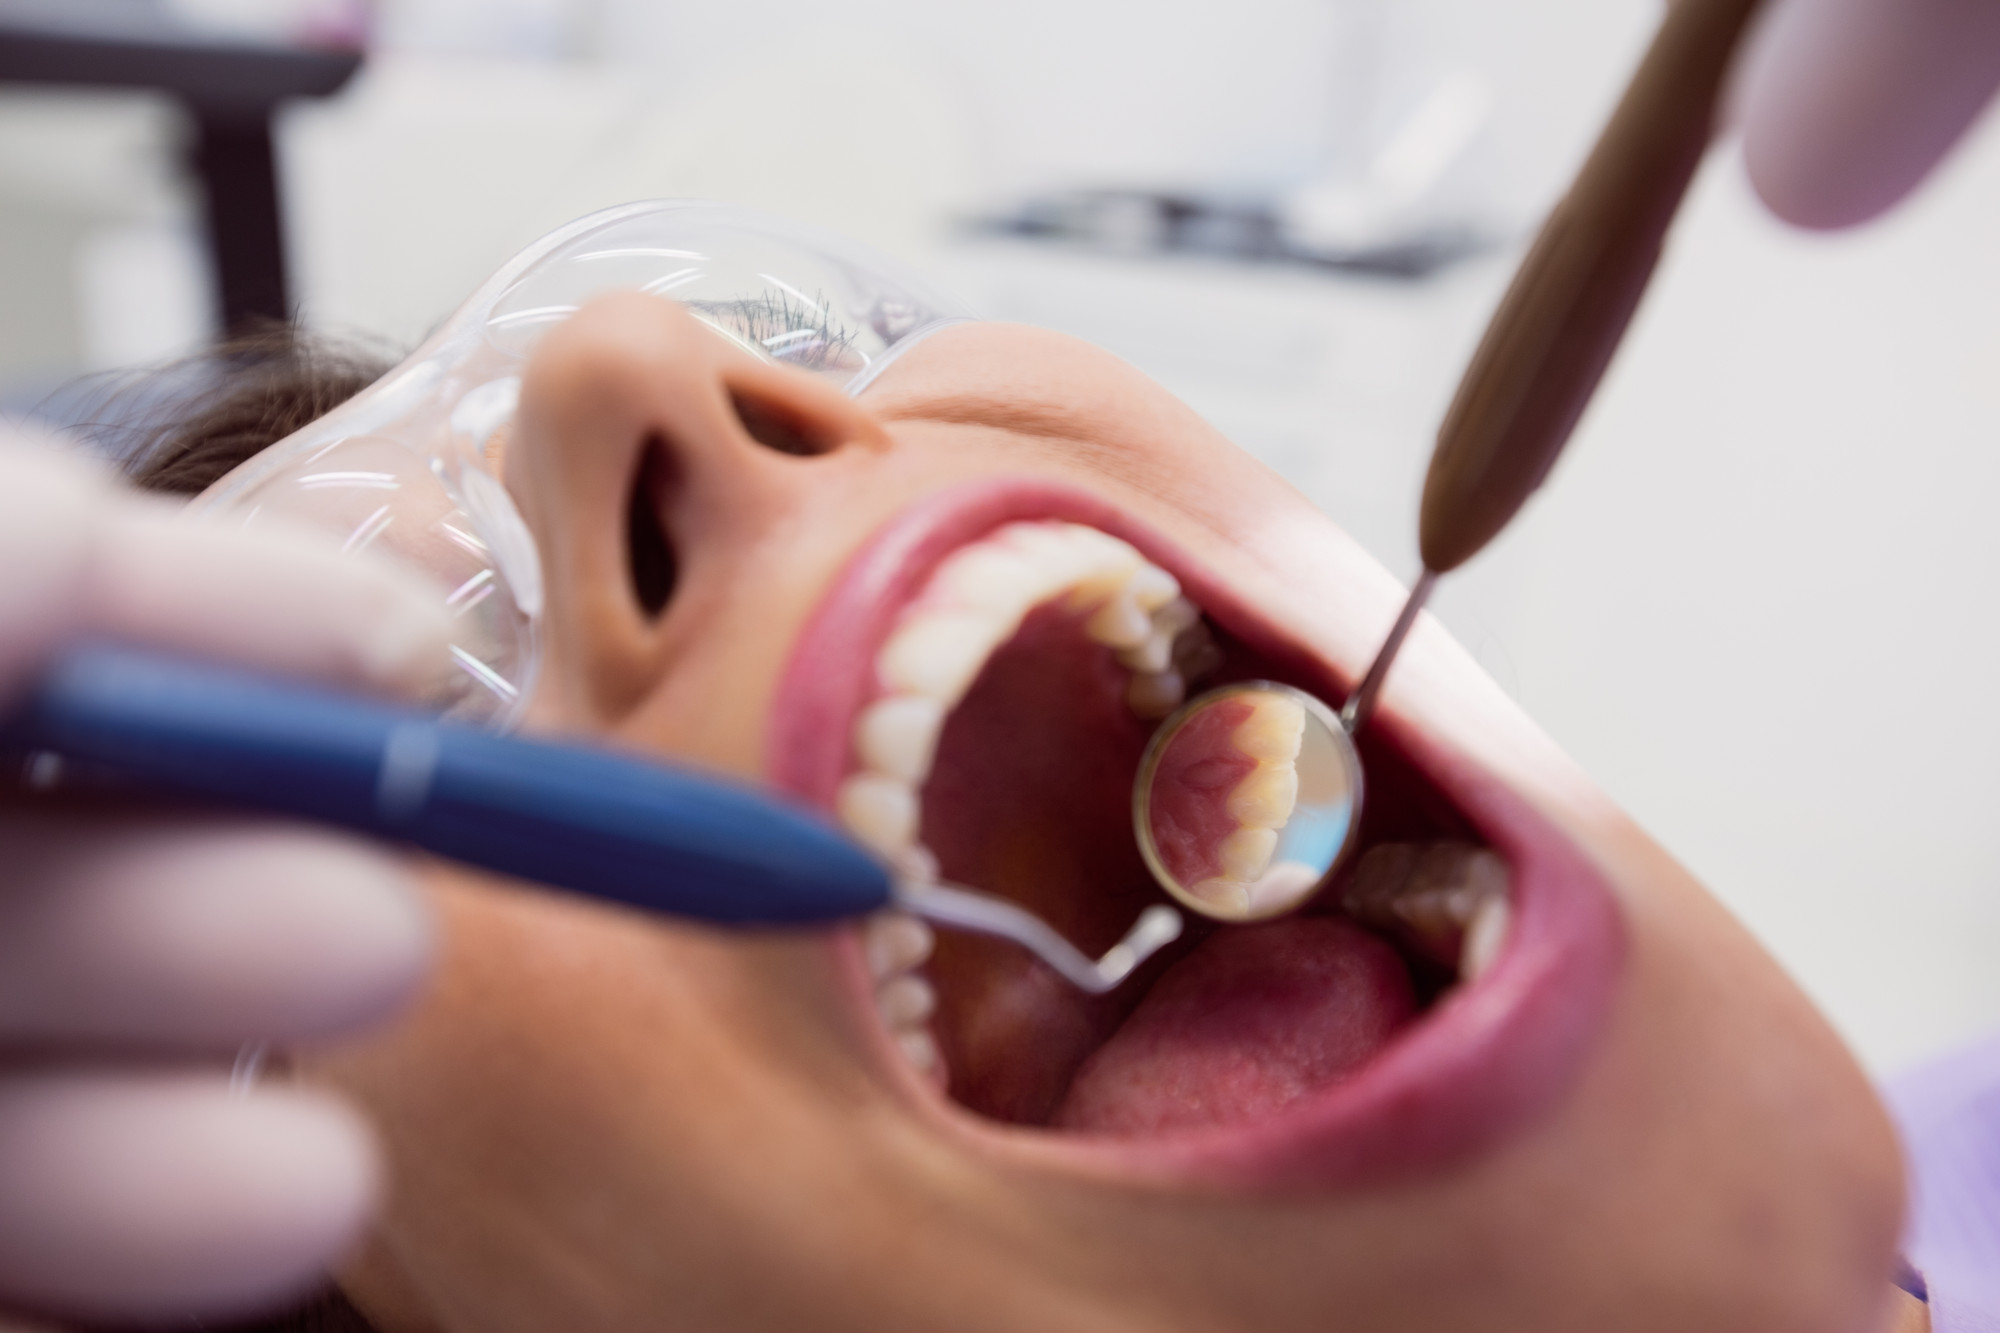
{"x": 1483, "y": 1063}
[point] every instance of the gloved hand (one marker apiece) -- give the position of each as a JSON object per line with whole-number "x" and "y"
{"x": 1847, "y": 104}
{"x": 138, "y": 951}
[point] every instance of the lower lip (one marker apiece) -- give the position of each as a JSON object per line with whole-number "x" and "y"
{"x": 1485, "y": 1062}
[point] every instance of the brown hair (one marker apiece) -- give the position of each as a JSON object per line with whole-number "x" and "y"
{"x": 181, "y": 428}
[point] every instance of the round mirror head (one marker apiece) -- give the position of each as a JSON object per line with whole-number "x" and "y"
{"x": 1246, "y": 800}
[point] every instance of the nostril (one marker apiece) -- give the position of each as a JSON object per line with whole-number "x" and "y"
{"x": 649, "y": 555}
{"x": 777, "y": 426}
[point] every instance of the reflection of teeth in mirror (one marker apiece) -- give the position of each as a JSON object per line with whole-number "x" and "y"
{"x": 1435, "y": 898}
{"x": 1261, "y": 804}
{"x": 1246, "y": 853}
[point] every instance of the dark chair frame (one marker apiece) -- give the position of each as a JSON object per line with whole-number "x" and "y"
{"x": 231, "y": 91}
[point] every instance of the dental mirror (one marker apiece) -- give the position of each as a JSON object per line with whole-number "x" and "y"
{"x": 1246, "y": 800}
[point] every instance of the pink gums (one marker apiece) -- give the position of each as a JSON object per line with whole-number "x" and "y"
{"x": 1189, "y": 810}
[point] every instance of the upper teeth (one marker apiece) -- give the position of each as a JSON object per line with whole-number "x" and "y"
{"x": 973, "y": 602}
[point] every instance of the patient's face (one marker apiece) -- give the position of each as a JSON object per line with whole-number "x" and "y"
{"x": 1609, "y": 1110}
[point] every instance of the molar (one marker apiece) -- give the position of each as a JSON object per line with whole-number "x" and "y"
{"x": 1485, "y": 936}
{"x": 1152, "y": 657}
{"x": 1195, "y": 651}
{"x": 1119, "y": 623}
{"x": 1155, "y": 694}
{"x": 1431, "y": 896}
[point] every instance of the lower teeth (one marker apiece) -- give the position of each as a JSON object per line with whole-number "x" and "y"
{"x": 1444, "y": 901}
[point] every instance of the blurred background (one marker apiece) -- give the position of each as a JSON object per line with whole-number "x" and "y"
{"x": 1755, "y": 601}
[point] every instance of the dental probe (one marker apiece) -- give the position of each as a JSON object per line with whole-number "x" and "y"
{"x": 1549, "y": 342}
{"x": 607, "y": 826}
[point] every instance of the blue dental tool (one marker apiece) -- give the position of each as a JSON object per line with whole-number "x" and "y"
{"x": 600, "y": 824}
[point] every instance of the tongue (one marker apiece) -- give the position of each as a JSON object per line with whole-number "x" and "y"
{"x": 1254, "y": 1019}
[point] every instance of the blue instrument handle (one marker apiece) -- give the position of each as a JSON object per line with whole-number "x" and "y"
{"x": 568, "y": 816}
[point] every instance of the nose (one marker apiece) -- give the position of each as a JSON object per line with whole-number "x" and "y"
{"x": 649, "y": 455}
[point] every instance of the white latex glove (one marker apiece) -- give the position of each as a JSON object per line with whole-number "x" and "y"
{"x": 137, "y": 952}
{"x": 1847, "y": 104}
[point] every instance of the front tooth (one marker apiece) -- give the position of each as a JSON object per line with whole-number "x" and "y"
{"x": 1246, "y": 852}
{"x": 880, "y": 811}
{"x": 905, "y": 1001}
{"x": 1265, "y": 796}
{"x": 898, "y": 736}
{"x": 1485, "y": 936}
{"x": 1153, "y": 656}
{"x": 938, "y": 654}
{"x": 1119, "y": 623}
{"x": 896, "y": 942}
{"x": 1155, "y": 694}
{"x": 989, "y": 578}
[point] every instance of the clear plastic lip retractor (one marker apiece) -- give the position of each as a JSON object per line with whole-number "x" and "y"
{"x": 411, "y": 465}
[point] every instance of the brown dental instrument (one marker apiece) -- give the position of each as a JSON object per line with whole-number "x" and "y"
{"x": 1562, "y": 318}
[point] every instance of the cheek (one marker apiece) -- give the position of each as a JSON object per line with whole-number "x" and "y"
{"x": 1753, "y": 1165}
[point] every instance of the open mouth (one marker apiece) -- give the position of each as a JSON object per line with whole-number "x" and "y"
{"x": 973, "y": 699}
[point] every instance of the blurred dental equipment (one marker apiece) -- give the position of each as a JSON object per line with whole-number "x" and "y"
{"x": 232, "y": 66}
{"x": 603, "y": 825}
{"x": 1534, "y": 371}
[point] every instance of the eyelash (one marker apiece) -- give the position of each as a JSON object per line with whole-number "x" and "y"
{"x": 783, "y": 328}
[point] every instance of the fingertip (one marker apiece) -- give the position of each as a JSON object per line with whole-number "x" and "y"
{"x": 1847, "y": 105}
{"x": 205, "y": 933}
{"x": 276, "y": 598}
{"x": 149, "y": 1197}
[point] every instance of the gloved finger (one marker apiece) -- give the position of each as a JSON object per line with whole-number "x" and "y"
{"x": 198, "y": 931}
{"x": 86, "y": 559}
{"x": 1847, "y": 104}
{"x": 163, "y": 1196}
